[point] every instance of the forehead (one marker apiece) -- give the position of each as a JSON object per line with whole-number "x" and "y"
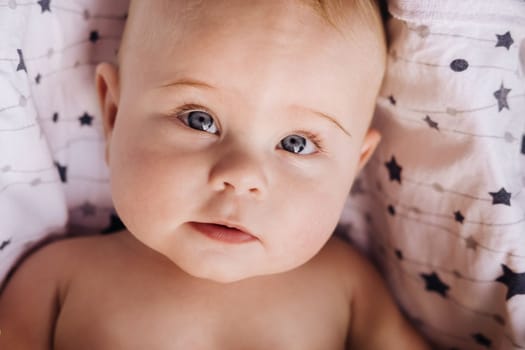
{"x": 163, "y": 27}
{"x": 248, "y": 43}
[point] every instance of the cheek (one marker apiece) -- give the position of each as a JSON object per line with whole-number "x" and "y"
{"x": 308, "y": 216}
{"x": 322, "y": 211}
{"x": 150, "y": 188}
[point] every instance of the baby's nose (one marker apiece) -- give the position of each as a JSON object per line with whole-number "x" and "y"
{"x": 240, "y": 172}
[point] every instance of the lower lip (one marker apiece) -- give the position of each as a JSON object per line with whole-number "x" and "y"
{"x": 222, "y": 233}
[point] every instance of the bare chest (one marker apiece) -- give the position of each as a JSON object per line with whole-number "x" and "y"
{"x": 136, "y": 313}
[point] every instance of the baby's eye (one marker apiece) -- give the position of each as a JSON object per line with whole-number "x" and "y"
{"x": 199, "y": 120}
{"x": 298, "y": 145}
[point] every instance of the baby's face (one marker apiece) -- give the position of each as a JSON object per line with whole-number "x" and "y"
{"x": 234, "y": 139}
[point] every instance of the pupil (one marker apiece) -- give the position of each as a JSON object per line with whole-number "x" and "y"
{"x": 294, "y": 144}
{"x": 200, "y": 121}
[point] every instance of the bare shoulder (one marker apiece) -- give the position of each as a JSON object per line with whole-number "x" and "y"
{"x": 53, "y": 261}
{"x": 31, "y": 298}
{"x": 47, "y": 258}
{"x": 90, "y": 247}
{"x": 377, "y": 322}
{"x": 346, "y": 261}
{"x": 74, "y": 249}
{"x": 353, "y": 269}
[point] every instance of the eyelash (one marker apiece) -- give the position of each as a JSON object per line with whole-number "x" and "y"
{"x": 315, "y": 138}
{"x": 189, "y": 107}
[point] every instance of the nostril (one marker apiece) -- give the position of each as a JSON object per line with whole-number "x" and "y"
{"x": 239, "y": 189}
{"x": 238, "y": 172}
{"x": 255, "y": 191}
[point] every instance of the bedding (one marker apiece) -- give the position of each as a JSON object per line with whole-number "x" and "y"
{"x": 53, "y": 178}
{"x": 440, "y": 207}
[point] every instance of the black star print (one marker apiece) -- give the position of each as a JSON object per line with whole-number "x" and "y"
{"x": 482, "y": 340}
{"x": 434, "y": 284}
{"x": 21, "y": 62}
{"x": 391, "y": 210}
{"x": 55, "y": 117}
{"x": 44, "y": 5}
{"x": 392, "y": 100}
{"x": 38, "y": 78}
{"x": 504, "y": 40}
{"x": 459, "y": 217}
{"x": 62, "y": 171}
{"x": 394, "y": 170}
{"x": 501, "y": 96}
{"x": 459, "y": 65}
{"x": 399, "y": 254}
{"x": 115, "y": 225}
{"x": 501, "y": 197}
{"x": 515, "y": 282}
{"x": 85, "y": 119}
{"x": 4, "y": 244}
{"x": 94, "y": 36}
{"x": 431, "y": 123}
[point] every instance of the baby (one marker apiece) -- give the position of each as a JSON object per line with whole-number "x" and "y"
{"x": 234, "y": 131}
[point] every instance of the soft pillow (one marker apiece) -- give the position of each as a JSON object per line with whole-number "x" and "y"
{"x": 52, "y": 171}
{"x": 441, "y": 206}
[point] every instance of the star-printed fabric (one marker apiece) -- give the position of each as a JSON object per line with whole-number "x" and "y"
{"x": 53, "y": 178}
{"x": 441, "y": 205}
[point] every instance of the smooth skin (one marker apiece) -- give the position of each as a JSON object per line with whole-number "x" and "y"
{"x": 112, "y": 292}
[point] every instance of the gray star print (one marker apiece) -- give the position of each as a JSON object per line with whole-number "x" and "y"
{"x": 501, "y": 96}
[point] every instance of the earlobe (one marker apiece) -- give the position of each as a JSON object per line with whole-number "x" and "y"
{"x": 372, "y": 139}
{"x": 107, "y": 85}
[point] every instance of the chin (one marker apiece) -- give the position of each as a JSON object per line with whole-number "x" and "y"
{"x": 219, "y": 275}
{"x": 228, "y": 276}
{"x": 223, "y": 278}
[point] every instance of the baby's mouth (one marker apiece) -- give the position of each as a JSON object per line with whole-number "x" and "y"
{"x": 224, "y": 232}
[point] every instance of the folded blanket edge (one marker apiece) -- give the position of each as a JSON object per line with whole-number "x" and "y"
{"x": 489, "y": 12}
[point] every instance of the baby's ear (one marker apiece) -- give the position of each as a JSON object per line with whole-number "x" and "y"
{"x": 370, "y": 143}
{"x": 107, "y": 84}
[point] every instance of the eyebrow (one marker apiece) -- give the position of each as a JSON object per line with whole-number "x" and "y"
{"x": 189, "y": 82}
{"x": 327, "y": 117}
{"x": 201, "y": 84}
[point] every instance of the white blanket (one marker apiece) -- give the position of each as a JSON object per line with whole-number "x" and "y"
{"x": 52, "y": 173}
{"x": 441, "y": 206}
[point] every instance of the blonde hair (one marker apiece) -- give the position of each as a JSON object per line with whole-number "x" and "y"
{"x": 328, "y": 9}
{"x": 338, "y": 12}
